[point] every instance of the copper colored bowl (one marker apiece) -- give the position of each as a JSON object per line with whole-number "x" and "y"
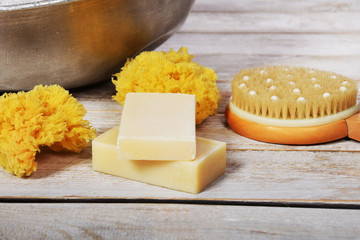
{"x": 79, "y": 42}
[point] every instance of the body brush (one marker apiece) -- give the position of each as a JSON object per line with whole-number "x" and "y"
{"x": 292, "y": 105}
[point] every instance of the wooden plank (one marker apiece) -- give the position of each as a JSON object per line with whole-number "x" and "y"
{"x": 276, "y": 6}
{"x": 272, "y": 22}
{"x": 215, "y": 127}
{"x": 268, "y": 44}
{"x": 156, "y": 221}
{"x": 105, "y": 113}
{"x": 254, "y": 176}
{"x": 227, "y": 65}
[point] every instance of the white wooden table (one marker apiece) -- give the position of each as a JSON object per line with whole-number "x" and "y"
{"x": 269, "y": 191}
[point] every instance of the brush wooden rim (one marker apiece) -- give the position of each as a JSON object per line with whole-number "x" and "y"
{"x": 287, "y": 135}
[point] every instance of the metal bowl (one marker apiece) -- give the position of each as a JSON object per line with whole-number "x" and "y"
{"x": 79, "y": 42}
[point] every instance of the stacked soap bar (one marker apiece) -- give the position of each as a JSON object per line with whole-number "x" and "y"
{"x": 157, "y": 126}
{"x": 189, "y": 176}
{"x": 156, "y": 143}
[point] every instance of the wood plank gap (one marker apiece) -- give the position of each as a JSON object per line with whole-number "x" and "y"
{"x": 249, "y": 203}
{"x": 269, "y": 32}
{"x": 247, "y": 11}
{"x": 102, "y": 111}
{"x": 290, "y": 149}
{"x": 254, "y": 56}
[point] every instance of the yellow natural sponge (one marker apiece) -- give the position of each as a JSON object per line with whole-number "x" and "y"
{"x": 169, "y": 72}
{"x": 45, "y": 116}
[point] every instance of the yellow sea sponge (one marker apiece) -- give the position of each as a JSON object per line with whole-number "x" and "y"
{"x": 169, "y": 72}
{"x": 45, "y": 116}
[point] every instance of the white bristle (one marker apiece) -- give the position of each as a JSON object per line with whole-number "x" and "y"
{"x": 301, "y": 99}
{"x": 326, "y": 95}
{"x": 345, "y": 83}
{"x": 292, "y": 83}
{"x": 333, "y": 77}
{"x": 274, "y": 98}
{"x": 269, "y": 80}
{"x": 296, "y": 90}
{"x": 245, "y": 78}
{"x": 252, "y": 93}
{"x": 317, "y": 86}
{"x": 272, "y": 88}
{"x": 242, "y": 85}
{"x": 343, "y": 89}
{"x": 313, "y": 79}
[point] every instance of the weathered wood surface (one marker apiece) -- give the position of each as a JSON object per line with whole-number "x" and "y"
{"x": 226, "y": 36}
{"x": 256, "y": 170}
{"x": 159, "y": 221}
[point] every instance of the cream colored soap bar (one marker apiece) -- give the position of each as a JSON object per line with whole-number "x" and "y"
{"x": 157, "y": 126}
{"x": 188, "y": 176}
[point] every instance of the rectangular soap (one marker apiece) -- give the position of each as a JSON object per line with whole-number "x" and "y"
{"x": 188, "y": 176}
{"x": 157, "y": 126}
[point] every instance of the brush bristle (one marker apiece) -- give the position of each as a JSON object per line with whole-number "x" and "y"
{"x": 292, "y": 92}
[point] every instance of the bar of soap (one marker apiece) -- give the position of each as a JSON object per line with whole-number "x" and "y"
{"x": 188, "y": 176}
{"x": 157, "y": 126}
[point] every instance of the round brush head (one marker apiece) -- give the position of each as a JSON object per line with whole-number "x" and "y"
{"x": 292, "y": 92}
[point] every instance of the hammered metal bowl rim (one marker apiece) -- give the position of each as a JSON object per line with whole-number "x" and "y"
{"x": 21, "y": 5}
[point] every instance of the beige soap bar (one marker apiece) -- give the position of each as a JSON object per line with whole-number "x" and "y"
{"x": 157, "y": 126}
{"x": 188, "y": 176}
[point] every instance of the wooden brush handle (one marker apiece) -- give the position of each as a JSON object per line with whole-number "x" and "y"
{"x": 353, "y": 125}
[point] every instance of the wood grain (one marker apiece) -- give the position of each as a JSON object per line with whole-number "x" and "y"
{"x": 156, "y": 221}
